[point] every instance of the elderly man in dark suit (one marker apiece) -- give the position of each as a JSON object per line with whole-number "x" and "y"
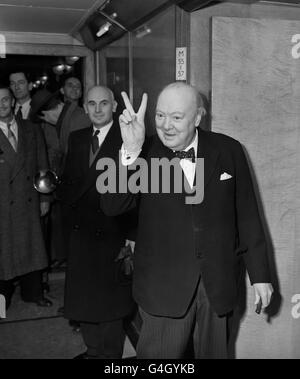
{"x": 187, "y": 254}
{"x": 97, "y": 293}
{"x": 22, "y": 250}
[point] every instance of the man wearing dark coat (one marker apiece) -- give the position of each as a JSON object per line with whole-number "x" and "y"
{"x": 188, "y": 252}
{"x": 22, "y": 250}
{"x": 97, "y": 293}
{"x": 66, "y": 117}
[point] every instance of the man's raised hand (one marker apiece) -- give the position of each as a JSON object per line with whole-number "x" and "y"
{"x": 132, "y": 124}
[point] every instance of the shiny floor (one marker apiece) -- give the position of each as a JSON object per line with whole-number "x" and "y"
{"x": 31, "y": 332}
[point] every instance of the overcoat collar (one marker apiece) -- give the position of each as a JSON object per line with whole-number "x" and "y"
{"x": 16, "y": 159}
{"x": 210, "y": 154}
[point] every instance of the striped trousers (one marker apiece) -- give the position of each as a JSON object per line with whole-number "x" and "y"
{"x": 169, "y": 338}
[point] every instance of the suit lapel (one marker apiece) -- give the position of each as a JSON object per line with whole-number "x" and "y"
{"x": 7, "y": 150}
{"x": 108, "y": 149}
{"x": 210, "y": 154}
{"x": 84, "y": 151}
{"x": 24, "y": 141}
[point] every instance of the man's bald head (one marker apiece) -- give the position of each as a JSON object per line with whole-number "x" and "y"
{"x": 186, "y": 88}
{"x": 100, "y": 105}
{"x": 96, "y": 90}
{"x": 178, "y": 112}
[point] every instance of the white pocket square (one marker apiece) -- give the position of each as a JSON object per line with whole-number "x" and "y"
{"x": 225, "y": 176}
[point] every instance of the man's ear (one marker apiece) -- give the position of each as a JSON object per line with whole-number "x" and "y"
{"x": 30, "y": 86}
{"x": 85, "y": 108}
{"x": 201, "y": 112}
{"x": 62, "y": 91}
{"x": 198, "y": 120}
{"x": 13, "y": 102}
{"x": 115, "y": 105}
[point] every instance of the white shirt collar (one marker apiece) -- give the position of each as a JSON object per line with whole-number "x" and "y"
{"x": 26, "y": 104}
{"x": 103, "y": 132}
{"x": 14, "y": 127}
{"x": 103, "y": 129}
{"x": 25, "y": 108}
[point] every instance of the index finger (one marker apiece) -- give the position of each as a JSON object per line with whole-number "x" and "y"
{"x": 127, "y": 103}
{"x": 143, "y": 106}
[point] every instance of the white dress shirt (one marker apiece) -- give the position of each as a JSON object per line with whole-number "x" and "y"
{"x": 25, "y": 109}
{"x": 103, "y": 132}
{"x": 13, "y": 128}
{"x": 188, "y": 167}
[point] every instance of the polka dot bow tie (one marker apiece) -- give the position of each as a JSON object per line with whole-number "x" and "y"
{"x": 190, "y": 154}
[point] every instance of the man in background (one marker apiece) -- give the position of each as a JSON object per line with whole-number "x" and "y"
{"x": 22, "y": 250}
{"x": 68, "y": 116}
{"x": 21, "y": 86}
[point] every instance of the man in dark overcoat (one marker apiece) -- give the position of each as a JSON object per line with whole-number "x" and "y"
{"x": 22, "y": 250}
{"x": 97, "y": 293}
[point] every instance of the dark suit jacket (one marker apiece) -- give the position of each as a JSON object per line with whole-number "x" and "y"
{"x": 176, "y": 242}
{"x": 22, "y": 247}
{"x": 74, "y": 119}
{"x": 95, "y": 290}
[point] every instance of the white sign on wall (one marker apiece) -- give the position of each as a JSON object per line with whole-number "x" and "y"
{"x": 2, "y": 46}
{"x": 2, "y": 307}
{"x": 181, "y": 63}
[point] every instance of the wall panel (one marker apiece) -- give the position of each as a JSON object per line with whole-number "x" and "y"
{"x": 255, "y": 99}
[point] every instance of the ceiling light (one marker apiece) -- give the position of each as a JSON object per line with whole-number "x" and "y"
{"x": 68, "y": 68}
{"x": 104, "y": 29}
{"x": 61, "y": 69}
{"x": 143, "y": 31}
{"x": 72, "y": 60}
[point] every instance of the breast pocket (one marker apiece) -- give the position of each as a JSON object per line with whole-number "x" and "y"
{"x": 226, "y": 188}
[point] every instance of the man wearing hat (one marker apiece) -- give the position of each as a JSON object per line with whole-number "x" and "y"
{"x": 44, "y": 100}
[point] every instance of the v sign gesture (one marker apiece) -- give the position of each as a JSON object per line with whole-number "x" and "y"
{"x": 132, "y": 124}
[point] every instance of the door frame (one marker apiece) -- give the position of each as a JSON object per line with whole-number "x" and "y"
{"x": 50, "y": 44}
